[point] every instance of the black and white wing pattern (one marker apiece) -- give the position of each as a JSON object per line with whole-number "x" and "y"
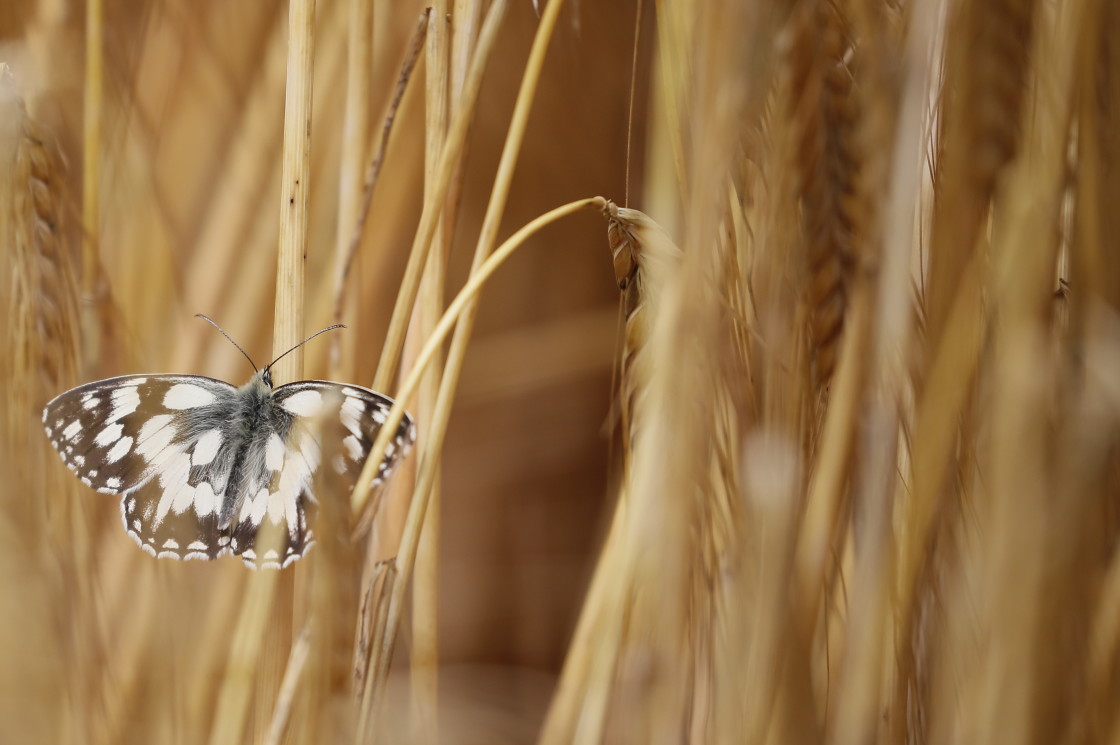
{"x": 147, "y": 437}
{"x": 201, "y": 465}
{"x": 328, "y": 421}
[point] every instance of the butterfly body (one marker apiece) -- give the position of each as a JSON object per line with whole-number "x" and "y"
{"x": 201, "y": 465}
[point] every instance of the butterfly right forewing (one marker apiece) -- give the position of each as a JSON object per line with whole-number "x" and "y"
{"x": 352, "y": 418}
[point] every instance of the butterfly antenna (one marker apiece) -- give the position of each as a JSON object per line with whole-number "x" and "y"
{"x": 231, "y": 341}
{"x": 297, "y": 346}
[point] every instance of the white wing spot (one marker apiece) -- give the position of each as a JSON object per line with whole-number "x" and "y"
{"x": 79, "y": 460}
{"x": 125, "y": 401}
{"x": 274, "y": 453}
{"x": 353, "y": 447}
{"x": 206, "y": 447}
{"x": 113, "y": 482}
{"x": 110, "y": 434}
{"x": 351, "y": 414}
{"x": 177, "y": 493}
{"x": 380, "y": 415}
{"x": 304, "y": 403}
{"x": 196, "y": 546}
{"x": 339, "y": 464}
{"x": 205, "y": 502}
{"x": 155, "y": 435}
{"x": 119, "y": 450}
{"x": 90, "y": 401}
{"x": 309, "y": 449}
{"x": 184, "y": 497}
{"x": 171, "y": 543}
{"x": 260, "y": 504}
{"x": 72, "y": 430}
{"x": 275, "y": 506}
{"x": 187, "y": 396}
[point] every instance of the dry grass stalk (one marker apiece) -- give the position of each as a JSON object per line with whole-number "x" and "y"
{"x": 429, "y": 219}
{"x": 360, "y": 212}
{"x": 92, "y": 111}
{"x": 459, "y": 309}
{"x": 234, "y": 701}
{"x": 428, "y": 467}
{"x": 424, "y": 657}
{"x": 987, "y": 59}
{"x": 42, "y": 321}
{"x": 355, "y": 144}
{"x": 827, "y": 166}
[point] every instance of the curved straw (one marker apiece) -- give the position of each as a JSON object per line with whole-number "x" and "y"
{"x": 439, "y": 335}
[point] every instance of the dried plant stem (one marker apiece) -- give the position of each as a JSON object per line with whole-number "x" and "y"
{"x": 237, "y": 684}
{"x": 295, "y": 192}
{"x": 40, "y": 504}
{"x": 356, "y": 225}
{"x": 433, "y": 205}
{"x": 297, "y": 660}
{"x": 355, "y": 144}
{"x": 455, "y": 309}
{"x": 382, "y": 646}
{"x": 257, "y": 610}
{"x": 1012, "y": 679}
{"x": 482, "y": 251}
{"x": 248, "y": 177}
{"x": 373, "y": 651}
{"x": 987, "y": 60}
{"x": 826, "y": 489}
{"x": 91, "y": 181}
{"x": 424, "y": 657}
{"x": 644, "y": 255}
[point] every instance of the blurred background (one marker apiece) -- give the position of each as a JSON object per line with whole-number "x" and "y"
{"x": 818, "y": 447}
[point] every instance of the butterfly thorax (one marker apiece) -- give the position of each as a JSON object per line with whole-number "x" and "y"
{"x": 255, "y": 418}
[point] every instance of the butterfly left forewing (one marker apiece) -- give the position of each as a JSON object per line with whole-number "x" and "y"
{"x": 161, "y": 442}
{"x": 112, "y": 433}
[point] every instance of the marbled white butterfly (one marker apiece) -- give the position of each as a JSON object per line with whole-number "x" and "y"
{"x": 200, "y": 465}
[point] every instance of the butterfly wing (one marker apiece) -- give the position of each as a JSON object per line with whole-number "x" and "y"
{"x": 164, "y": 444}
{"x": 339, "y": 422}
{"x": 354, "y": 416}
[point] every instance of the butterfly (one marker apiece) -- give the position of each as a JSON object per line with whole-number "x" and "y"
{"x": 202, "y": 465}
